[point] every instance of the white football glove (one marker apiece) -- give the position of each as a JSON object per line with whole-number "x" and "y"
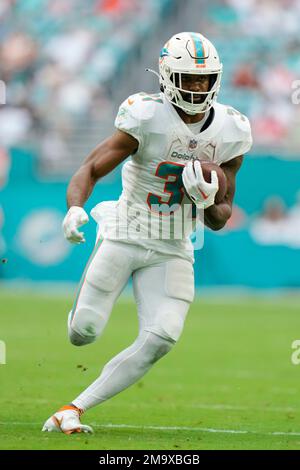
{"x": 201, "y": 193}
{"x": 76, "y": 216}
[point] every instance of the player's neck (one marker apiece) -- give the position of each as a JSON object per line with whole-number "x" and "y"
{"x": 189, "y": 118}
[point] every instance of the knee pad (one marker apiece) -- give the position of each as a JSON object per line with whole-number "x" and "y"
{"x": 78, "y": 340}
{"x": 168, "y": 325}
{"x": 179, "y": 293}
{"x": 179, "y": 280}
{"x": 158, "y": 347}
{"x": 85, "y": 325}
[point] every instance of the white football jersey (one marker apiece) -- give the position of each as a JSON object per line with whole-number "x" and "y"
{"x": 153, "y": 198}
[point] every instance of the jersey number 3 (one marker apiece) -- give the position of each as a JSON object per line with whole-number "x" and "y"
{"x": 173, "y": 189}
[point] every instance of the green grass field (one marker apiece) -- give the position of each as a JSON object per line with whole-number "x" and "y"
{"x": 228, "y": 384}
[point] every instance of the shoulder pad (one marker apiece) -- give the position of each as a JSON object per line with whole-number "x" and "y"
{"x": 135, "y": 113}
{"x": 239, "y": 122}
{"x": 142, "y": 106}
{"x": 236, "y": 135}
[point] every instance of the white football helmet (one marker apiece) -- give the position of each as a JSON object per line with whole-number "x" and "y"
{"x": 189, "y": 53}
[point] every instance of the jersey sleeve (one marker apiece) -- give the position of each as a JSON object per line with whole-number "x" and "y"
{"x": 236, "y": 138}
{"x": 245, "y": 141}
{"x": 129, "y": 119}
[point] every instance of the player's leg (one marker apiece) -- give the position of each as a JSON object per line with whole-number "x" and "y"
{"x": 163, "y": 294}
{"x": 107, "y": 272}
{"x": 105, "y": 276}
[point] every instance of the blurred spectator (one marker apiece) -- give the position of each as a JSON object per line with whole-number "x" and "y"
{"x": 2, "y": 240}
{"x": 264, "y": 68}
{"x": 237, "y": 220}
{"x": 5, "y": 8}
{"x": 270, "y": 124}
{"x": 53, "y": 150}
{"x": 15, "y": 124}
{"x": 4, "y": 175}
{"x": 71, "y": 49}
{"x": 277, "y": 226}
{"x": 294, "y": 213}
{"x": 17, "y": 54}
{"x": 4, "y": 167}
{"x": 115, "y": 7}
{"x": 245, "y": 77}
{"x": 60, "y": 59}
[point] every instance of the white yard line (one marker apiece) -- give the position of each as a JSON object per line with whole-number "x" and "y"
{"x": 165, "y": 428}
{"x": 275, "y": 409}
{"x": 193, "y": 429}
{"x": 219, "y": 406}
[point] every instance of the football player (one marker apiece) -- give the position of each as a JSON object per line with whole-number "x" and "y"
{"x": 166, "y": 135}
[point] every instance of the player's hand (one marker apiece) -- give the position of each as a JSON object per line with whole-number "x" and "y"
{"x": 76, "y": 216}
{"x": 200, "y": 191}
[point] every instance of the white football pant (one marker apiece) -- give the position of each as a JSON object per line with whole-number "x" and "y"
{"x": 163, "y": 290}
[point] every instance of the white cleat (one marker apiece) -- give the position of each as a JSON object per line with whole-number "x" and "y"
{"x": 66, "y": 420}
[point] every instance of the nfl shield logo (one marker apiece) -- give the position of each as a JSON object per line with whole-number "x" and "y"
{"x": 193, "y": 144}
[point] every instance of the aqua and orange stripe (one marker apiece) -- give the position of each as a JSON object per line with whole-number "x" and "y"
{"x": 199, "y": 50}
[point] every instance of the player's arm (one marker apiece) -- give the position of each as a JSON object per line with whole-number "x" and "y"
{"x": 216, "y": 216}
{"x": 101, "y": 161}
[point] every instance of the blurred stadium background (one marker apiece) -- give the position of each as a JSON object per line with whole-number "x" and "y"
{"x": 68, "y": 64}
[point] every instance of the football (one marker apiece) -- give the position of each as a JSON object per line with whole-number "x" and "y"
{"x": 207, "y": 168}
